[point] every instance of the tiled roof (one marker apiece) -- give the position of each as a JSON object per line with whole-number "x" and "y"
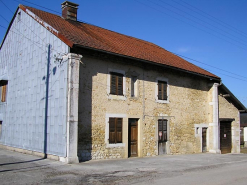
{"x": 90, "y": 36}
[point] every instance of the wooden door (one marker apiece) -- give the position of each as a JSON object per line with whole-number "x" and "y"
{"x": 225, "y": 137}
{"x": 133, "y": 138}
{"x": 204, "y": 139}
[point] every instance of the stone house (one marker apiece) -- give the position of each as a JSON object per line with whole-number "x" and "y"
{"x": 73, "y": 91}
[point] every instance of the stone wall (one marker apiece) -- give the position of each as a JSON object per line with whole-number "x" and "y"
{"x": 188, "y": 105}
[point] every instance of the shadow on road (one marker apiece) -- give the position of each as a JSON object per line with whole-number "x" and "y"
{"x": 23, "y": 168}
{"x": 22, "y": 162}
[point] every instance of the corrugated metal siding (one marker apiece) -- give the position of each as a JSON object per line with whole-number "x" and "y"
{"x": 23, "y": 58}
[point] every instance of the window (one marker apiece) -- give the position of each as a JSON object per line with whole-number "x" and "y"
{"x": 134, "y": 86}
{"x": 116, "y": 84}
{"x": 19, "y": 16}
{"x": 3, "y": 84}
{"x": 162, "y": 130}
{"x": 162, "y": 90}
{"x": 115, "y": 130}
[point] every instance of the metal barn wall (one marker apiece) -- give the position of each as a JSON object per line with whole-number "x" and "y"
{"x": 23, "y": 59}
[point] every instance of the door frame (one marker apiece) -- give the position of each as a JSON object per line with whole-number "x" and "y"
{"x": 198, "y": 134}
{"x": 229, "y": 120}
{"x": 139, "y": 154}
{"x": 205, "y": 138}
{"x": 157, "y": 134}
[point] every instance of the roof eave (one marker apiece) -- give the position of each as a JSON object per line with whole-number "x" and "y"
{"x": 47, "y": 26}
{"x": 234, "y": 100}
{"x": 149, "y": 62}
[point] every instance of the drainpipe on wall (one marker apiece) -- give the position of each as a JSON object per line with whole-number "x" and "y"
{"x": 215, "y": 124}
{"x": 46, "y": 101}
{"x": 72, "y": 107}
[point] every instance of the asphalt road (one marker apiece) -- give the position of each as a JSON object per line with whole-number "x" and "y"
{"x": 205, "y": 169}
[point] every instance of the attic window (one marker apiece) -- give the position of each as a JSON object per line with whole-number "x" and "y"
{"x": 19, "y": 16}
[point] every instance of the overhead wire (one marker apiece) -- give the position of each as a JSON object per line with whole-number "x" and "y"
{"x": 201, "y": 12}
{"x": 184, "y": 17}
{"x": 207, "y": 64}
{"x": 45, "y": 44}
{"x": 191, "y": 25}
{"x": 171, "y": 52}
{"x": 206, "y": 22}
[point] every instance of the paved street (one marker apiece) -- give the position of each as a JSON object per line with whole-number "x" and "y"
{"x": 17, "y": 168}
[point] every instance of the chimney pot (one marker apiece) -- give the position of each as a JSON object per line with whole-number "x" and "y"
{"x": 69, "y": 10}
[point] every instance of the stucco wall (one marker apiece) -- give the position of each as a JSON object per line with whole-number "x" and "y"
{"x": 188, "y": 105}
{"x": 228, "y": 110}
{"x": 23, "y": 59}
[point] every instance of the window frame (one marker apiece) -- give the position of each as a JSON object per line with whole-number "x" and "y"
{"x": 163, "y": 137}
{"x": 118, "y": 78}
{"x": 115, "y": 125}
{"x": 164, "y": 80}
{"x": 113, "y": 145}
{"x": 162, "y": 90}
{"x": 114, "y": 96}
{"x": 4, "y": 88}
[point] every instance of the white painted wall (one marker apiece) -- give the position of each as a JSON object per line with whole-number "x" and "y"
{"x": 23, "y": 59}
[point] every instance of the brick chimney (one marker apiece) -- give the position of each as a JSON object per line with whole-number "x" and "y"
{"x": 69, "y": 10}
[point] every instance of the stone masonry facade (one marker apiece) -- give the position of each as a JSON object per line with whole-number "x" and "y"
{"x": 188, "y": 105}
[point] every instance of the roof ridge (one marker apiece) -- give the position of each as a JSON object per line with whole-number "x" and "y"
{"x": 142, "y": 40}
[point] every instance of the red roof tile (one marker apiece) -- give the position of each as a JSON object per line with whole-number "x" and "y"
{"x": 86, "y": 35}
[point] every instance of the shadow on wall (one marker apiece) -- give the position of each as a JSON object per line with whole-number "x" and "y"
{"x": 85, "y": 116}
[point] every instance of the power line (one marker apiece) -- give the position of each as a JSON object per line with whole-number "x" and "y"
{"x": 208, "y": 65}
{"x": 171, "y": 52}
{"x": 24, "y": 37}
{"x": 212, "y": 17}
{"x": 215, "y": 26}
{"x": 179, "y": 14}
{"x": 24, "y": 23}
{"x": 192, "y": 25}
{"x": 4, "y": 18}
{"x": 27, "y": 27}
{"x": 38, "y": 5}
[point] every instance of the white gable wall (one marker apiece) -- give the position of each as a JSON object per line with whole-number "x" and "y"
{"x": 23, "y": 59}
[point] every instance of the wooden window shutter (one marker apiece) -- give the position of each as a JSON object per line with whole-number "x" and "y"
{"x": 4, "y": 91}
{"x": 165, "y": 91}
{"x": 119, "y": 130}
{"x": 116, "y": 86}
{"x": 120, "y": 85}
{"x": 115, "y": 130}
{"x": 112, "y": 130}
{"x": 113, "y": 84}
{"x": 159, "y": 91}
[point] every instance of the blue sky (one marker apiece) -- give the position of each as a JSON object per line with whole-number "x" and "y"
{"x": 212, "y": 33}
